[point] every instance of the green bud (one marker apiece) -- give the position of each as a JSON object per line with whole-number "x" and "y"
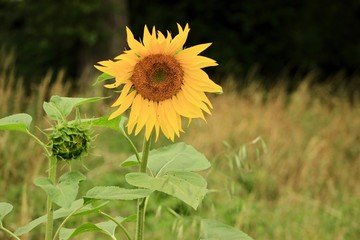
{"x": 69, "y": 141}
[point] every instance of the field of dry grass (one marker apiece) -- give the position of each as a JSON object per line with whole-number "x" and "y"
{"x": 284, "y": 165}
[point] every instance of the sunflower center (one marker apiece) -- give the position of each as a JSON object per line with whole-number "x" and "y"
{"x": 158, "y": 77}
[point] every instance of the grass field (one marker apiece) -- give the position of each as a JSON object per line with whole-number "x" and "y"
{"x": 284, "y": 165}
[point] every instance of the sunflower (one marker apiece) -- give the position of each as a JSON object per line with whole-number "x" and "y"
{"x": 162, "y": 82}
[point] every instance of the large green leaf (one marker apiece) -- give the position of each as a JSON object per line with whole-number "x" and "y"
{"x": 5, "y": 209}
{"x": 107, "y": 228}
{"x": 61, "y": 213}
{"x": 189, "y": 187}
{"x": 60, "y": 107}
{"x": 214, "y": 230}
{"x": 16, "y": 122}
{"x": 116, "y": 193}
{"x": 175, "y": 157}
{"x": 65, "y": 192}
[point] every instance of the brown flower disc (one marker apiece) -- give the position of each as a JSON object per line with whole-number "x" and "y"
{"x": 158, "y": 77}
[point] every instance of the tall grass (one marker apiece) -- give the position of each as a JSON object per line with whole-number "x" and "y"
{"x": 284, "y": 165}
{"x": 304, "y": 185}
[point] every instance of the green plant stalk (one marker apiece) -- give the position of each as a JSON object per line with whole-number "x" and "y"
{"x": 117, "y": 223}
{"x": 140, "y": 220}
{"x": 65, "y": 220}
{"x": 49, "y": 205}
{"x": 133, "y": 147}
{"x": 8, "y": 232}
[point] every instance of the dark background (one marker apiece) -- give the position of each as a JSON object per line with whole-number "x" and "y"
{"x": 277, "y": 36}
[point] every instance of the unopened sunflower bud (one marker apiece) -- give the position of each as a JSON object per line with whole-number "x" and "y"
{"x": 69, "y": 142}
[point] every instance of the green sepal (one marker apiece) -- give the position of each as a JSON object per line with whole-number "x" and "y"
{"x": 102, "y": 77}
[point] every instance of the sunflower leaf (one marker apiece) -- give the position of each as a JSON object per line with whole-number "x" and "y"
{"x": 60, "y": 107}
{"x": 107, "y": 228}
{"x": 216, "y": 230}
{"x": 175, "y": 157}
{"x": 16, "y": 122}
{"x": 61, "y": 213}
{"x": 102, "y": 77}
{"x": 116, "y": 193}
{"x": 105, "y": 122}
{"x": 189, "y": 187}
{"x": 5, "y": 209}
{"x": 65, "y": 192}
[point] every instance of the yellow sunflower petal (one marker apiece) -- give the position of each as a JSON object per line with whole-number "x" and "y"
{"x": 164, "y": 125}
{"x": 145, "y": 107}
{"x": 124, "y": 106}
{"x": 179, "y": 122}
{"x": 131, "y": 58}
{"x": 151, "y": 120}
{"x": 196, "y": 61}
{"x": 201, "y": 81}
{"x": 196, "y": 101}
{"x": 157, "y": 125}
{"x": 171, "y": 116}
{"x": 185, "y": 108}
{"x": 134, "y": 114}
{"x": 168, "y": 36}
{"x": 198, "y": 94}
{"x": 178, "y": 42}
{"x": 195, "y": 110}
{"x": 124, "y": 93}
{"x": 146, "y": 37}
{"x": 134, "y": 44}
{"x": 118, "y": 81}
{"x": 194, "y": 50}
{"x": 205, "y": 62}
{"x": 161, "y": 36}
{"x": 107, "y": 67}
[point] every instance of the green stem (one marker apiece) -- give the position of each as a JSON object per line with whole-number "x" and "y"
{"x": 133, "y": 147}
{"x": 49, "y": 205}
{"x": 8, "y": 232}
{"x": 40, "y": 143}
{"x": 65, "y": 220}
{"x": 117, "y": 223}
{"x": 140, "y": 222}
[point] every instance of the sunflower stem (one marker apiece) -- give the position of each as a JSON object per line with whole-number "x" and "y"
{"x": 49, "y": 205}
{"x": 8, "y": 232}
{"x": 140, "y": 221}
{"x": 65, "y": 220}
{"x": 123, "y": 229}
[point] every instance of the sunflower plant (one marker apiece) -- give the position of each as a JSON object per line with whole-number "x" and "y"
{"x": 67, "y": 141}
{"x": 161, "y": 83}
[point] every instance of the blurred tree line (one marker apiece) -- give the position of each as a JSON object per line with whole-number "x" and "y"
{"x": 275, "y": 35}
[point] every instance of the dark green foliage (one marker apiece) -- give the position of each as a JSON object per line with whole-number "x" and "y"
{"x": 290, "y": 36}
{"x": 296, "y": 36}
{"x": 52, "y": 34}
